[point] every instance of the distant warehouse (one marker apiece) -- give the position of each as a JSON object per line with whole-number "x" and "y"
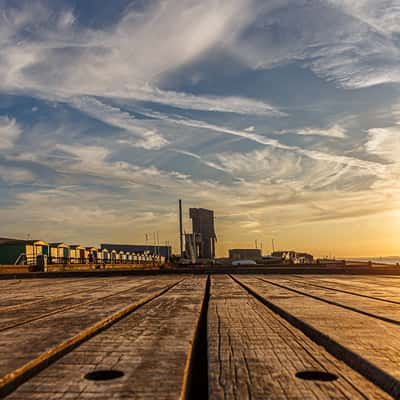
{"x": 294, "y": 257}
{"x": 245, "y": 254}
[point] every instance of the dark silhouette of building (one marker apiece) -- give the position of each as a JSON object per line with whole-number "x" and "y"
{"x": 204, "y": 236}
{"x": 294, "y": 256}
{"x": 245, "y": 254}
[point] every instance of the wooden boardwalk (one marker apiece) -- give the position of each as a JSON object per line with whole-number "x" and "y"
{"x": 197, "y": 336}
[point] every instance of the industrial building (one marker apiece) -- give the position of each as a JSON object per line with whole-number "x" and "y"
{"x": 245, "y": 254}
{"x": 200, "y": 244}
{"x": 293, "y": 257}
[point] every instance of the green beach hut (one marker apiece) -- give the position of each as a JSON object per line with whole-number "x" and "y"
{"x": 19, "y": 251}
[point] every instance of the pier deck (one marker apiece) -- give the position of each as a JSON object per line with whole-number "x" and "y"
{"x": 222, "y": 336}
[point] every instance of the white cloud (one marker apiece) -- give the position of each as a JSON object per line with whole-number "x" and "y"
{"x": 373, "y": 168}
{"x": 151, "y": 142}
{"x": 10, "y": 131}
{"x": 268, "y": 164}
{"x": 385, "y": 142}
{"x": 66, "y": 19}
{"x": 145, "y": 138}
{"x": 383, "y": 18}
{"x": 229, "y": 104}
{"x": 282, "y": 167}
{"x": 277, "y": 188}
{"x": 116, "y": 63}
{"x": 95, "y": 161}
{"x": 206, "y": 162}
{"x": 396, "y": 112}
{"x": 335, "y": 131}
{"x": 352, "y": 42}
{"x": 13, "y": 175}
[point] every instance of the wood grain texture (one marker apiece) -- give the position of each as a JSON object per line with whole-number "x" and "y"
{"x": 254, "y": 354}
{"x": 382, "y": 288}
{"x": 254, "y": 351}
{"x": 373, "y": 307}
{"x": 26, "y": 313}
{"x": 28, "y": 341}
{"x": 151, "y": 346}
{"x": 373, "y": 344}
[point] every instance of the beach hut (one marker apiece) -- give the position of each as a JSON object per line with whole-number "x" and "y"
{"x": 77, "y": 254}
{"x": 58, "y": 253}
{"x": 121, "y": 257}
{"x": 103, "y": 256}
{"x": 92, "y": 251}
{"x": 113, "y": 257}
{"x": 18, "y": 251}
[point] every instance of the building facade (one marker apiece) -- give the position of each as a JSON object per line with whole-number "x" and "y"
{"x": 203, "y": 235}
{"x": 245, "y": 254}
{"x": 17, "y": 251}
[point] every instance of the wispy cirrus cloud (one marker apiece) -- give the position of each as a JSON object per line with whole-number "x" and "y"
{"x": 371, "y": 166}
{"x": 385, "y": 142}
{"x": 383, "y": 18}
{"x": 353, "y": 43}
{"x": 239, "y": 102}
{"x": 10, "y": 131}
{"x": 115, "y": 63}
{"x": 228, "y": 104}
{"x": 295, "y": 171}
{"x": 15, "y": 175}
{"x": 206, "y": 162}
{"x": 338, "y": 39}
{"x": 141, "y": 137}
{"x": 335, "y": 131}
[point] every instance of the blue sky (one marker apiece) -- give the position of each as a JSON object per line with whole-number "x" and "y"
{"x": 282, "y": 116}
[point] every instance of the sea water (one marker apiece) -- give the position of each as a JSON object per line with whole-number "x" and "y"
{"x": 378, "y": 260}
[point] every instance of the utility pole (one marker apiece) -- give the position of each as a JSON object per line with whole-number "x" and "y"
{"x": 154, "y": 246}
{"x": 167, "y": 245}
{"x": 273, "y": 245}
{"x": 158, "y": 247}
{"x": 180, "y": 227}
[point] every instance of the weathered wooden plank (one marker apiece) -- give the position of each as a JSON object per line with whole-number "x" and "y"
{"x": 387, "y": 311}
{"x": 151, "y": 347}
{"x": 24, "y": 291}
{"x": 371, "y": 281}
{"x": 384, "y": 288}
{"x": 371, "y": 346}
{"x": 28, "y": 341}
{"x": 254, "y": 354}
{"x": 26, "y": 312}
